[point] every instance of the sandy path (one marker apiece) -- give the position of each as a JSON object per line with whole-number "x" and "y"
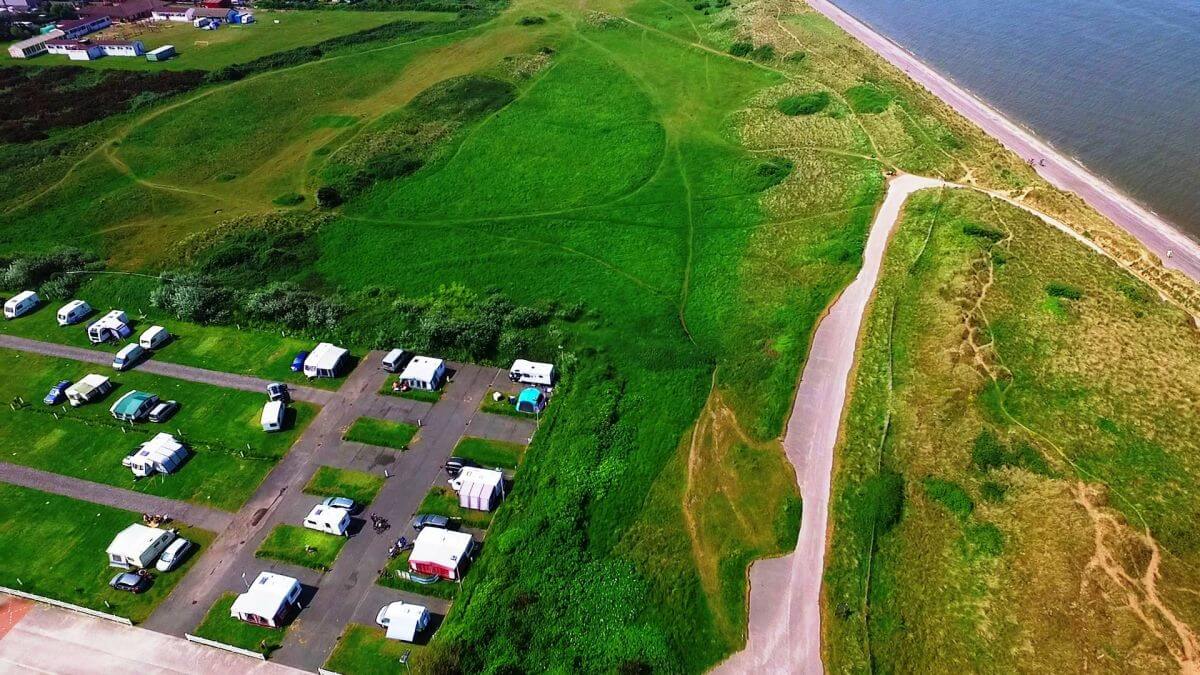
{"x": 1154, "y": 232}
{"x": 785, "y": 593}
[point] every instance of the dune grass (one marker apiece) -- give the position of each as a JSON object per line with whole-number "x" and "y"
{"x": 75, "y": 568}
{"x": 396, "y": 435}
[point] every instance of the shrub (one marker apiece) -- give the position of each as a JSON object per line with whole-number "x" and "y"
{"x": 868, "y": 98}
{"x": 741, "y": 48}
{"x": 187, "y": 298}
{"x": 1059, "y": 289}
{"x": 987, "y": 453}
{"x": 982, "y": 231}
{"x": 804, "y": 104}
{"x": 289, "y": 199}
{"x": 328, "y": 197}
{"x": 763, "y": 53}
{"x": 795, "y": 57}
{"x": 531, "y": 21}
{"x": 52, "y": 274}
{"x": 951, "y": 495}
{"x": 775, "y": 171}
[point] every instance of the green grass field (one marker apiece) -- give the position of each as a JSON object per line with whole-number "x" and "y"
{"x": 218, "y": 625}
{"x": 230, "y": 455}
{"x": 396, "y": 435}
{"x": 363, "y": 650}
{"x": 54, "y": 546}
{"x": 489, "y": 453}
{"x": 414, "y": 394}
{"x": 301, "y": 546}
{"x": 330, "y": 481}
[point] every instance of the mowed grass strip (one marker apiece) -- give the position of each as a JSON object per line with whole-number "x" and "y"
{"x": 365, "y": 650}
{"x": 301, "y": 546}
{"x": 229, "y": 453}
{"x": 443, "y": 501}
{"x": 54, "y": 546}
{"x": 414, "y": 394}
{"x": 439, "y": 589}
{"x": 330, "y": 481}
{"x": 490, "y": 453}
{"x": 218, "y": 625}
{"x": 396, "y": 435}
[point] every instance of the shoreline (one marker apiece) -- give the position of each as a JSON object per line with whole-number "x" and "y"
{"x": 1062, "y": 171}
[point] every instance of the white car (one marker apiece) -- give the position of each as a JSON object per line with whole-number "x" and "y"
{"x": 175, "y": 553}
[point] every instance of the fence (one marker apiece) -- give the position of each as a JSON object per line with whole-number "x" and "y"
{"x": 222, "y": 645}
{"x": 66, "y": 605}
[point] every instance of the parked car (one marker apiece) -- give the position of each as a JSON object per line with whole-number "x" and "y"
{"x": 340, "y": 503}
{"x": 395, "y": 360}
{"x": 164, "y": 411}
{"x": 57, "y": 393}
{"x": 175, "y": 553}
{"x": 298, "y": 362}
{"x": 129, "y": 582}
{"x": 278, "y": 391}
{"x": 455, "y": 465}
{"x": 432, "y": 520}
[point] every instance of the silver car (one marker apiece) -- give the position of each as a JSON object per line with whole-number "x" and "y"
{"x": 175, "y": 553}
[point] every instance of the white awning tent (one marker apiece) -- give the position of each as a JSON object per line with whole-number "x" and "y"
{"x": 90, "y": 387}
{"x": 404, "y": 620}
{"x": 161, "y": 454}
{"x": 479, "y": 489}
{"x": 424, "y": 372}
{"x": 267, "y": 601}
{"x": 531, "y": 372}
{"x": 325, "y": 360}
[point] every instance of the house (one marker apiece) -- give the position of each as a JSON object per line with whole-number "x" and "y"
{"x": 424, "y": 372}
{"x": 20, "y": 304}
{"x": 329, "y": 519}
{"x": 403, "y": 620}
{"x": 161, "y": 54}
{"x": 73, "y": 29}
{"x": 439, "y": 552}
{"x": 325, "y": 360}
{"x": 532, "y": 372}
{"x": 180, "y": 13}
{"x": 111, "y": 326}
{"x": 133, "y": 406}
{"x": 138, "y": 546}
{"x": 531, "y": 400}
{"x": 161, "y": 454}
{"x": 33, "y": 46}
{"x": 73, "y": 312}
{"x": 74, "y": 49}
{"x": 268, "y": 601}
{"x": 90, "y": 388}
{"x": 479, "y": 489}
{"x": 128, "y": 11}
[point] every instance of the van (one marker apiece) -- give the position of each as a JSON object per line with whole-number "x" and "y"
{"x": 73, "y": 312}
{"x": 20, "y": 304}
{"x": 128, "y": 357}
{"x": 154, "y": 337}
{"x": 395, "y": 360}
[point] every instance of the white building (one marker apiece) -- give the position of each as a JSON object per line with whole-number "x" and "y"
{"x": 90, "y": 388}
{"x": 328, "y": 519}
{"x": 33, "y": 46}
{"x": 180, "y": 13}
{"x": 161, "y": 454}
{"x": 440, "y": 552}
{"x": 531, "y": 372}
{"x": 73, "y": 29}
{"x": 424, "y": 372}
{"x": 479, "y": 489}
{"x": 403, "y": 620}
{"x": 268, "y": 601}
{"x": 325, "y": 360}
{"x": 138, "y": 546}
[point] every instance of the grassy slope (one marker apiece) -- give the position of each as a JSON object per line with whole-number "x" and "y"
{"x": 54, "y": 546}
{"x": 217, "y": 425}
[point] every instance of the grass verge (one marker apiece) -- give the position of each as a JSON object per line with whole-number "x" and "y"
{"x": 301, "y": 546}
{"x": 330, "y": 481}
{"x": 396, "y": 435}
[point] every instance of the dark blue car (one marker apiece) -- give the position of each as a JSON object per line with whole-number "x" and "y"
{"x": 56, "y": 393}
{"x": 298, "y": 362}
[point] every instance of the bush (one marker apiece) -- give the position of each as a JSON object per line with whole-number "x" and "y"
{"x": 741, "y": 48}
{"x": 188, "y": 298}
{"x": 795, "y": 57}
{"x": 328, "y": 197}
{"x": 289, "y": 199}
{"x": 868, "y": 98}
{"x": 51, "y": 273}
{"x": 1059, "y": 289}
{"x": 531, "y": 21}
{"x": 982, "y": 231}
{"x": 804, "y": 104}
{"x": 763, "y": 53}
{"x": 775, "y": 170}
{"x": 951, "y": 495}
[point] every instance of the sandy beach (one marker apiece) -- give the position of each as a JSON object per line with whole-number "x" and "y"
{"x": 1061, "y": 171}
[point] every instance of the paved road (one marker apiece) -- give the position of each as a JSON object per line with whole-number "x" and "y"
{"x": 212, "y": 520}
{"x": 785, "y": 593}
{"x": 1061, "y": 171}
{"x": 50, "y": 640}
{"x": 219, "y": 379}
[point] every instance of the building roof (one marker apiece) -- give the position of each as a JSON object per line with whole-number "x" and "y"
{"x": 76, "y": 23}
{"x": 134, "y": 539}
{"x": 403, "y": 620}
{"x": 421, "y": 369}
{"x": 212, "y": 12}
{"x": 121, "y": 10}
{"x": 168, "y": 48}
{"x": 132, "y": 402}
{"x": 36, "y": 40}
{"x": 125, "y": 43}
{"x": 532, "y": 368}
{"x": 266, "y": 596}
{"x": 440, "y": 547}
{"x": 69, "y": 44}
{"x": 325, "y": 356}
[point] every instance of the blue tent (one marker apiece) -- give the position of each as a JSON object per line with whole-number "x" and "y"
{"x": 531, "y": 400}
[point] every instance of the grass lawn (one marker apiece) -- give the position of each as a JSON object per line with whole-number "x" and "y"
{"x": 414, "y": 394}
{"x": 371, "y": 431}
{"x": 54, "y": 546}
{"x": 489, "y": 453}
{"x": 209, "y": 50}
{"x": 501, "y": 407}
{"x": 443, "y": 500}
{"x": 329, "y": 481}
{"x": 218, "y": 625}
{"x": 301, "y": 546}
{"x": 364, "y": 650}
{"x": 230, "y": 454}
{"x": 439, "y": 589}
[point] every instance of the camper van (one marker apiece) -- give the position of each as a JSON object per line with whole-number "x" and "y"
{"x": 154, "y": 337}
{"x": 20, "y": 304}
{"x": 272, "y": 415}
{"x": 128, "y": 357}
{"x": 73, "y": 312}
{"x": 138, "y": 546}
{"x": 328, "y": 519}
{"x": 531, "y": 372}
{"x": 395, "y": 360}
